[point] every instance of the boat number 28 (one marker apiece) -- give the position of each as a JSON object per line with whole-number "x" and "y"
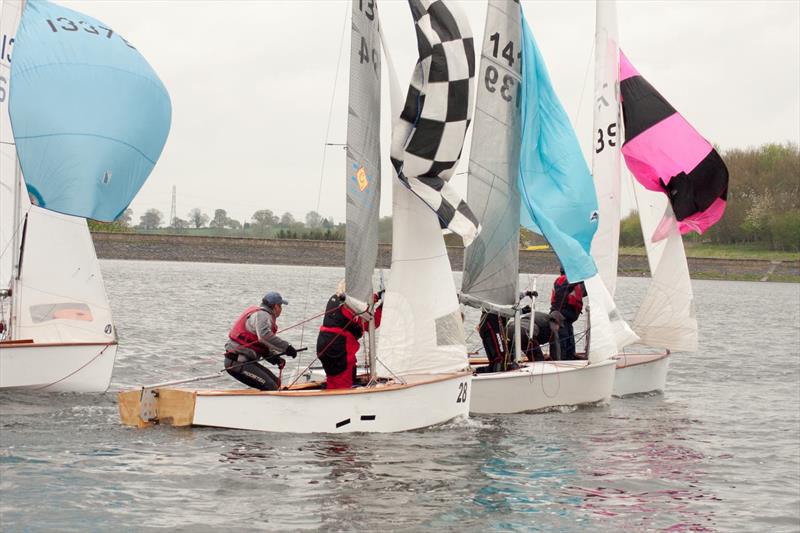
{"x": 462, "y": 392}
{"x": 609, "y": 138}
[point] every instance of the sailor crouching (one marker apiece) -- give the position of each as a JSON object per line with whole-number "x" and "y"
{"x": 253, "y": 337}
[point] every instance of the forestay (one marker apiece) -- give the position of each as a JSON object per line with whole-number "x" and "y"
{"x": 363, "y": 172}
{"x": 422, "y": 330}
{"x": 79, "y": 88}
{"x": 491, "y": 262}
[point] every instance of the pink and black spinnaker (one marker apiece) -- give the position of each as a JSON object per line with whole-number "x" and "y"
{"x": 665, "y": 153}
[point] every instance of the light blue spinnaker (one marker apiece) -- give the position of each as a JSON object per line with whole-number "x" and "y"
{"x": 89, "y": 115}
{"x": 556, "y": 188}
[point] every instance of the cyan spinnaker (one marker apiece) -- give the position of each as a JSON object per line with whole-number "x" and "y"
{"x": 556, "y": 188}
{"x": 90, "y": 116}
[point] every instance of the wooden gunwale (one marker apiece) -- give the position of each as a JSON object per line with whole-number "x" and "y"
{"x": 621, "y": 363}
{"x": 298, "y": 390}
{"x": 29, "y": 343}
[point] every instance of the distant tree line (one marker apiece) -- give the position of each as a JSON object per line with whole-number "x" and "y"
{"x": 763, "y": 209}
{"x": 763, "y": 206}
{"x": 262, "y": 224}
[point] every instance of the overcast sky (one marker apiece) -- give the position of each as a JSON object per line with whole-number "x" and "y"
{"x": 252, "y": 82}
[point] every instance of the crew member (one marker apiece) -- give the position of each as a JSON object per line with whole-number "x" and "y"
{"x": 567, "y": 299}
{"x": 492, "y": 329}
{"x": 339, "y": 336}
{"x": 253, "y": 337}
{"x": 544, "y": 331}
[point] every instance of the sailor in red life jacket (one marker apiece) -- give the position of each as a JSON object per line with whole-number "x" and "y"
{"x": 338, "y": 339}
{"x": 567, "y": 299}
{"x": 253, "y": 337}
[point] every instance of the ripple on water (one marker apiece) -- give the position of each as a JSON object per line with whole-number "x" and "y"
{"x": 718, "y": 451}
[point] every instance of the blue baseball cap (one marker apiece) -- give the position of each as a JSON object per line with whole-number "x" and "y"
{"x": 273, "y": 298}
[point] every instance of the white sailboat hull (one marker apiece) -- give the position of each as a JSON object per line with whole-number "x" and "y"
{"x": 77, "y": 367}
{"x": 639, "y": 373}
{"x": 542, "y": 385}
{"x": 424, "y": 401}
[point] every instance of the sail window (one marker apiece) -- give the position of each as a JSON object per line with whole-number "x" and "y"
{"x": 449, "y": 330}
{"x": 64, "y": 311}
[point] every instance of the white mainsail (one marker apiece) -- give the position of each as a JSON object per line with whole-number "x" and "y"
{"x": 491, "y": 261}
{"x": 606, "y": 155}
{"x": 665, "y": 318}
{"x": 363, "y": 171}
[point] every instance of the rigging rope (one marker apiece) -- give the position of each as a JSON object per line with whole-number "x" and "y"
{"x": 324, "y": 154}
{"x": 583, "y": 87}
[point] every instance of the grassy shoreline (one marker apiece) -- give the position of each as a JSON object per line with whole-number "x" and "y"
{"x": 742, "y": 252}
{"x": 632, "y": 262}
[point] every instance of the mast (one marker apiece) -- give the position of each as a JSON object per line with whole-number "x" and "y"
{"x": 17, "y": 242}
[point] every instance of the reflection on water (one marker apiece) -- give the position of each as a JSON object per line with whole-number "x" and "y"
{"x": 717, "y": 452}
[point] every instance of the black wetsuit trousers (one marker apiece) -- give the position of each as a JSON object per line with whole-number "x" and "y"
{"x": 252, "y": 374}
{"x": 566, "y": 337}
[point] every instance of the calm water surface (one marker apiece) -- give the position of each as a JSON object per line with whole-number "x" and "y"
{"x": 719, "y": 451}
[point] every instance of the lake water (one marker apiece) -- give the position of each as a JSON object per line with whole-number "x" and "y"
{"x": 719, "y": 451}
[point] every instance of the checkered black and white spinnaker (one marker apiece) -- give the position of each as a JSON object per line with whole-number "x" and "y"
{"x": 428, "y": 137}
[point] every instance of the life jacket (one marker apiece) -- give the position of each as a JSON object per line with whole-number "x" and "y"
{"x": 566, "y": 294}
{"x": 340, "y": 319}
{"x": 239, "y": 332}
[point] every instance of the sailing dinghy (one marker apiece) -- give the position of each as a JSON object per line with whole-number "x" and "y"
{"x": 83, "y": 118}
{"x": 680, "y": 186}
{"x": 419, "y": 371}
{"x": 491, "y": 262}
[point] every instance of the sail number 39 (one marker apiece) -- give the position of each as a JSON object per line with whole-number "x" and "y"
{"x": 603, "y": 140}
